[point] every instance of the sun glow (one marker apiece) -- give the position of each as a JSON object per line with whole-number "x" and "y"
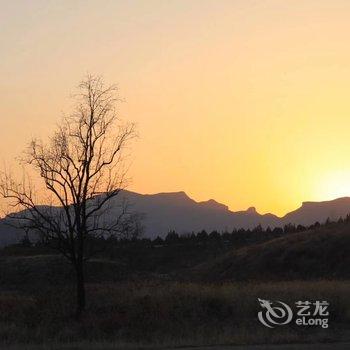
{"x": 245, "y": 102}
{"x": 335, "y": 185}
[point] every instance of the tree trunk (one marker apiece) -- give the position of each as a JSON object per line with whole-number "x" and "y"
{"x": 80, "y": 289}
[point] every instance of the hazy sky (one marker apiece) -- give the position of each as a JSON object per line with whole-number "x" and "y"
{"x": 246, "y": 102}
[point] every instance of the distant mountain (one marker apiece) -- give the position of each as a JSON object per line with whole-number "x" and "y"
{"x": 176, "y": 211}
{"x": 310, "y": 212}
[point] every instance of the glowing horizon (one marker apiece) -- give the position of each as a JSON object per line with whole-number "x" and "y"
{"x": 244, "y": 102}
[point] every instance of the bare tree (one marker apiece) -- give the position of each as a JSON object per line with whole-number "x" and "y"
{"x": 81, "y": 167}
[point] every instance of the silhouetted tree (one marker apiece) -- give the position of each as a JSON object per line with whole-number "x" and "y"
{"x": 258, "y": 229}
{"x": 172, "y": 237}
{"x": 131, "y": 225}
{"x": 158, "y": 241}
{"x": 226, "y": 236}
{"x": 202, "y": 236}
{"x": 328, "y": 221}
{"x": 215, "y": 235}
{"x": 289, "y": 228}
{"x": 317, "y": 224}
{"x": 193, "y": 237}
{"x": 277, "y": 230}
{"x": 82, "y": 170}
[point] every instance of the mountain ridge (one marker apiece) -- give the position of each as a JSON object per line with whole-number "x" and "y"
{"x": 177, "y": 211}
{"x": 166, "y": 211}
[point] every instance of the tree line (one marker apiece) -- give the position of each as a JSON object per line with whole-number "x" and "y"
{"x": 235, "y": 236}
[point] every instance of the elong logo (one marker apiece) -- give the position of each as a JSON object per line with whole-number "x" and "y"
{"x": 275, "y": 313}
{"x": 278, "y": 313}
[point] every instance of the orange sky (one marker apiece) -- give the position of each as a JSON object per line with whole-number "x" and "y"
{"x": 246, "y": 102}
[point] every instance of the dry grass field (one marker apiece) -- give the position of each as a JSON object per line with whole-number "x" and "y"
{"x": 169, "y": 313}
{"x": 177, "y": 295}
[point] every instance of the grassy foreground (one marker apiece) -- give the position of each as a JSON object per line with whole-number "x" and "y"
{"x": 159, "y": 313}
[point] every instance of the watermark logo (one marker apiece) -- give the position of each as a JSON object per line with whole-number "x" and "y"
{"x": 274, "y": 313}
{"x": 304, "y": 313}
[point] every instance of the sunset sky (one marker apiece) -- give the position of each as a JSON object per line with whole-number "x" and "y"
{"x": 246, "y": 102}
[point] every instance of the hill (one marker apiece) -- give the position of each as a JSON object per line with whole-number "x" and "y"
{"x": 313, "y": 254}
{"x": 319, "y": 253}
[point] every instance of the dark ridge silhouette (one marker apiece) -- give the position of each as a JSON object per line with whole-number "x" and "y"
{"x": 176, "y": 211}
